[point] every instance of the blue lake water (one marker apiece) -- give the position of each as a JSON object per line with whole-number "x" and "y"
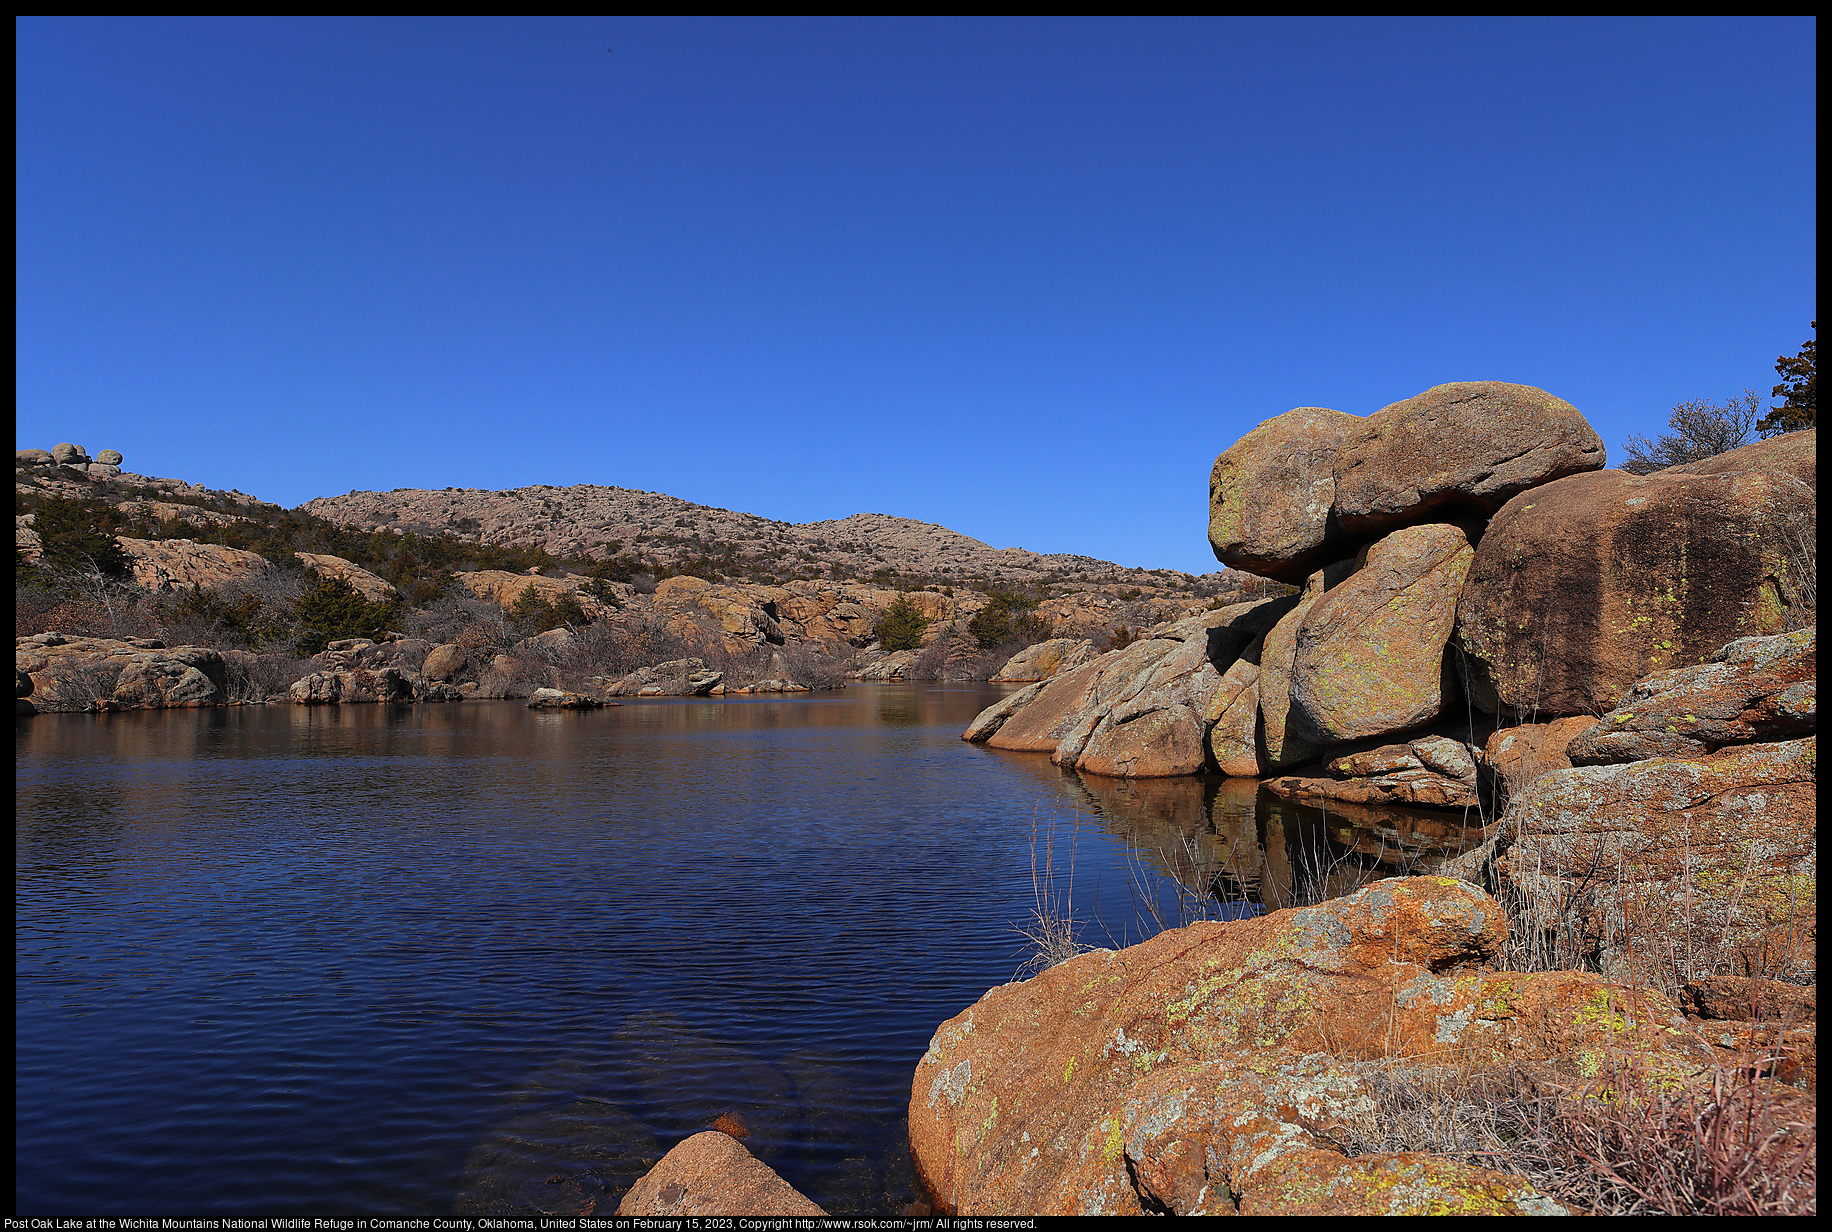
{"x": 474, "y": 958}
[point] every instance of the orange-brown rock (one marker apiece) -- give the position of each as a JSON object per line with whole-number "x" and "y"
{"x": 1791, "y": 453}
{"x": 1049, "y": 1096}
{"x": 369, "y": 586}
{"x": 1270, "y": 494}
{"x": 1516, "y": 756}
{"x": 1232, "y": 718}
{"x": 179, "y": 564}
{"x": 1281, "y": 743}
{"x": 1312, "y": 485}
{"x": 1739, "y": 998}
{"x": 1456, "y": 450}
{"x": 1754, "y": 689}
{"x": 1064, "y": 699}
{"x": 711, "y": 1174}
{"x": 1663, "y": 868}
{"x": 1369, "y": 659}
{"x": 1580, "y": 588}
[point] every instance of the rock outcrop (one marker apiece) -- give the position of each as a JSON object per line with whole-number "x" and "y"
{"x": 1583, "y": 586}
{"x": 1754, "y": 689}
{"x": 98, "y": 673}
{"x": 1665, "y": 864}
{"x": 180, "y": 564}
{"x": 1433, "y": 771}
{"x": 1311, "y": 485}
{"x": 1369, "y": 658}
{"x": 503, "y": 588}
{"x": 1203, "y": 1070}
{"x": 366, "y": 584}
{"x": 1045, "y": 659}
{"x": 711, "y": 1174}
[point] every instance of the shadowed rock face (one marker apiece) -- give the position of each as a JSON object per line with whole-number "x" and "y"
{"x": 1580, "y": 588}
{"x": 1184, "y": 1074}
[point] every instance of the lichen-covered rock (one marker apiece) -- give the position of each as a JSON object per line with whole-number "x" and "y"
{"x": 712, "y": 1174}
{"x": 1312, "y": 485}
{"x": 1580, "y": 588}
{"x": 1284, "y": 744}
{"x": 1515, "y": 756}
{"x": 1458, "y": 449}
{"x": 1270, "y": 494}
{"x": 1666, "y": 865}
{"x": 445, "y": 662}
{"x": 890, "y": 667}
{"x": 1067, "y": 697}
{"x": 504, "y": 588}
{"x": 1045, "y": 659}
{"x": 1754, "y": 689}
{"x": 35, "y": 457}
{"x": 988, "y": 721}
{"x": 1232, "y": 719}
{"x": 356, "y": 686}
{"x": 110, "y": 457}
{"x": 560, "y": 699}
{"x": 1791, "y": 453}
{"x": 66, "y": 454}
{"x": 1369, "y": 659}
{"x": 1050, "y": 1096}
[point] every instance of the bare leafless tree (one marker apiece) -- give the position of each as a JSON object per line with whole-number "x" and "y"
{"x": 1700, "y": 430}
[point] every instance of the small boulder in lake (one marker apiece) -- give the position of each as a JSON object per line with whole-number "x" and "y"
{"x": 559, "y": 699}
{"x": 712, "y": 1174}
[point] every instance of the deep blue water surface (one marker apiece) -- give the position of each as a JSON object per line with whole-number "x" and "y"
{"x": 476, "y": 958}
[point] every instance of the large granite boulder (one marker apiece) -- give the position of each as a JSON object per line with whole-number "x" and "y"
{"x": 1515, "y": 756}
{"x": 1282, "y": 743}
{"x": 388, "y": 684}
{"x": 1067, "y": 698}
{"x": 1369, "y": 659}
{"x": 35, "y": 457}
{"x": 445, "y": 663}
{"x": 1270, "y": 494}
{"x": 1045, "y": 659}
{"x": 711, "y": 1174}
{"x": 1183, "y": 1073}
{"x": 1232, "y": 718}
{"x": 1754, "y": 689}
{"x": 1665, "y": 866}
{"x": 1456, "y": 450}
{"x": 1311, "y": 485}
{"x": 66, "y": 454}
{"x": 1580, "y": 588}
{"x": 1792, "y": 453}
{"x": 110, "y": 457}
{"x": 180, "y": 564}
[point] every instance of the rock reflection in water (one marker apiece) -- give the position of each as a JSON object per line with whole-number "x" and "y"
{"x": 1227, "y": 849}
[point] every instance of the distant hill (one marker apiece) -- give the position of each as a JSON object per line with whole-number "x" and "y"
{"x": 608, "y": 523}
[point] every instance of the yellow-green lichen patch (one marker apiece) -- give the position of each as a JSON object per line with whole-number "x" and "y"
{"x": 1068, "y": 1071}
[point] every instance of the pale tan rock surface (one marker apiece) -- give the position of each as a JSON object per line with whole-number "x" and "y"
{"x": 369, "y": 586}
{"x": 1044, "y": 660}
{"x": 711, "y": 1174}
{"x": 89, "y": 673}
{"x": 179, "y": 564}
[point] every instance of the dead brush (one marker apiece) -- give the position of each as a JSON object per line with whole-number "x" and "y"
{"x": 1730, "y": 1142}
{"x": 1050, "y": 930}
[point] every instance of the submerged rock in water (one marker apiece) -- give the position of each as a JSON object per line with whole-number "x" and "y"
{"x": 712, "y": 1174}
{"x": 573, "y": 1158}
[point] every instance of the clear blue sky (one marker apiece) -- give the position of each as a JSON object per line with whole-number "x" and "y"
{"x": 1022, "y": 278}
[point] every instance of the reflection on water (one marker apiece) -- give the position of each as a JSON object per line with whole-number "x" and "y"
{"x": 476, "y": 958}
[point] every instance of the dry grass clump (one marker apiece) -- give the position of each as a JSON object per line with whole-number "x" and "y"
{"x": 1729, "y": 1142}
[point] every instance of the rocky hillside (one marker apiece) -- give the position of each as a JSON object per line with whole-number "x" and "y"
{"x": 604, "y": 523}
